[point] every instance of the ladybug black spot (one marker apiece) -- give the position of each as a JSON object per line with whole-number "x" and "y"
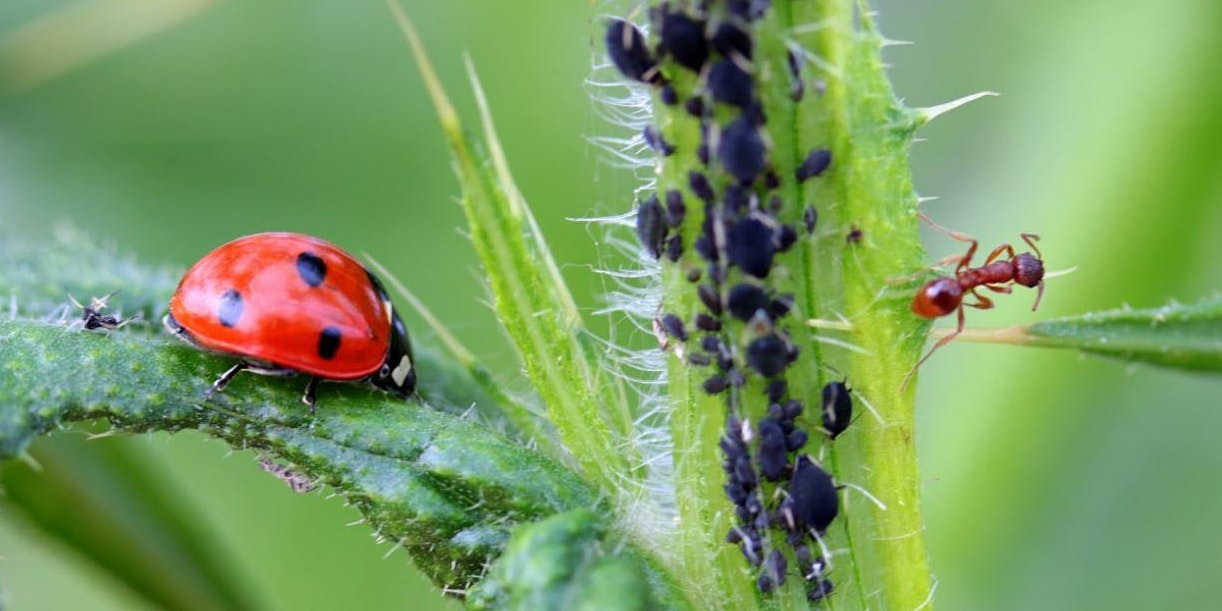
{"x": 229, "y": 310}
{"x": 313, "y": 270}
{"x": 328, "y": 342}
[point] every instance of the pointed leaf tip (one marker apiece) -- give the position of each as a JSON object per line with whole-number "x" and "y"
{"x": 929, "y": 113}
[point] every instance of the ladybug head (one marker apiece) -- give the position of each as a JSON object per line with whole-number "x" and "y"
{"x": 398, "y": 373}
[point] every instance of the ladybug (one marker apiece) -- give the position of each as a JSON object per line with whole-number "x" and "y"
{"x": 287, "y": 303}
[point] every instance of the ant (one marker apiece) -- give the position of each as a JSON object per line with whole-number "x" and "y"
{"x": 943, "y": 295}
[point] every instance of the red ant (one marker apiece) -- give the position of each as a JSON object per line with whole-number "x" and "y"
{"x": 945, "y": 294}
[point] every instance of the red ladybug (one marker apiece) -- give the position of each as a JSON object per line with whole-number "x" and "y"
{"x": 287, "y": 303}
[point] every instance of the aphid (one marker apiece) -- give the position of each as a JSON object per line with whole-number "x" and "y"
{"x": 768, "y": 355}
{"x": 694, "y": 106}
{"x": 796, "y": 440}
{"x": 820, "y": 588}
{"x": 92, "y": 317}
{"x": 731, "y": 40}
{"x": 708, "y": 296}
{"x": 854, "y": 236}
{"x": 704, "y": 322}
{"x": 780, "y": 306}
{"x": 749, "y": 246}
{"x": 813, "y": 502}
{"x": 297, "y": 482}
{"x": 715, "y": 384}
{"x": 745, "y": 299}
{"x": 676, "y": 210}
{"x": 815, "y": 164}
{"x": 797, "y": 88}
{"x": 697, "y": 359}
{"x": 736, "y": 200}
{"x": 683, "y": 37}
{"x": 669, "y": 96}
{"x": 786, "y": 237}
{"x": 943, "y": 295}
{"x": 627, "y": 50}
{"x": 287, "y": 303}
{"x": 730, "y": 84}
{"x": 837, "y": 408}
{"x": 656, "y": 142}
{"x": 673, "y": 326}
{"x": 650, "y": 225}
{"x": 773, "y": 454}
{"x": 772, "y": 180}
{"x": 810, "y": 218}
{"x": 741, "y": 150}
{"x": 700, "y": 186}
{"x": 674, "y": 248}
{"x": 694, "y": 274}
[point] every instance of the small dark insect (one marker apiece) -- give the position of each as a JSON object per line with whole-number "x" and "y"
{"x": 943, "y": 295}
{"x": 815, "y": 164}
{"x": 837, "y": 408}
{"x": 741, "y": 150}
{"x": 854, "y": 236}
{"x": 674, "y": 248}
{"x": 749, "y": 246}
{"x": 694, "y": 106}
{"x": 736, "y": 200}
{"x": 820, "y": 588}
{"x": 698, "y": 359}
{"x": 673, "y": 326}
{"x": 773, "y": 457}
{"x": 768, "y": 355}
{"x": 650, "y": 225}
{"x": 730, "y": 84}
{"x": 813, "y": 501}
{"x": 669, "y": 96}
{"x": 700, "y": 186}
{"x": 694, "y": 274}
{"x": 810, "y": 218}
{"x": 715, "y": 384}
{"x": 780, "y": 306}
{"x": 676, "y": 210}
{"x": 708, "y": 296}
{"x": 731, "y": 40}
{"x": 797, "y": 89}
{"x": 683, "y": 37}
{"x": 627, "y": 49}
{"x": 786, "y": 237}
{"x": 704, "y": 322}
{"x": 92, "y": 318}
{"x": 656, "y": 142}
{"x": 745, "y": 300}
{"x": 297, "y": 482}
{"x": 776, "y": 391}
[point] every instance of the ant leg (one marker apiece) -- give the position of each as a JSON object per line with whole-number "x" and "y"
{"x": 939, "y": 344}
{"x": 1004, "y": 248}
{"x": 999, "y": 288}
{"x": 227, "y": 377}
{"x": 308, "y": 398}
{"x": 982, "y": 302}
{"x": 966, "y": 260}
{"x": 1030, "y": 239}
{"x": 1038, "y": 296}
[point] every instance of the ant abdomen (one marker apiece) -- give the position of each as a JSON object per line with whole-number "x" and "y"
{"x": 938, "y": 297}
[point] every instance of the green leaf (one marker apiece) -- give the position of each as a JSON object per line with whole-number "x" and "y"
{"x": 1177, "y": 336}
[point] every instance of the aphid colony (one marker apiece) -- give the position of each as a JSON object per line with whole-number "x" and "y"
{"x": 731, "y": 208}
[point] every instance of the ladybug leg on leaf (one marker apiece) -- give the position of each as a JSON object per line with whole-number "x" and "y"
{"x": 227, "y": 377}
{"x": 308, "y": 398}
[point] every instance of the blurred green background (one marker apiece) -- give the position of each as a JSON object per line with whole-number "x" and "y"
{"x": 1050, "y": 481}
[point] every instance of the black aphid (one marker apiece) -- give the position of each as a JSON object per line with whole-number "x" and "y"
{"x": 837, "y": 408}
{"x": 654, "y": 139}
{"x": 694, "y": 106}
{"x": 780, "y": 306}
{"x": 819, "y": 589}
{"x": 773, "y": 454}
{"x": 786, "y": 237}
{"x": 708, "y": 296}
{"x": 737, "y": 378}
{"x": 730, "y": 39}
{"x": 768, "y": 355}
{"x": 698, "y": 359}
{"x": 813, "y": 501}
{"x": 676, "y": 210}
{"x": 715, "y": 384}
{"x": 673, "y": 325}
{"x": 749, "y": 246}
{"x": 796, "y": 440}
{"x": 730, "y": 84}
{"x": 674, "y": 247}
{"x": 810, "y": 218}
{"x": 704, "y": 322}
{"x": 699, "y": 184}
{"x": 776, "y": 390}
{"x": 650, "y": 225}
{"x": 627, "y": 49}
{"x": 796, "y": 87}
{"x": 669, "y": 96}
{"x": 694, "y": 274}
{"x": 741, "y": 150}
{"x": 815, "y": 164}
{"x": 736, "y": 200}
{"x": 745, "y": 299}
{"x": 683, "y": 37}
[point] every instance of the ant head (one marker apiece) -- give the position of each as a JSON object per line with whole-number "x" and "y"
{"x": 1028, "y": 270}
{"x": 938, "y": 297}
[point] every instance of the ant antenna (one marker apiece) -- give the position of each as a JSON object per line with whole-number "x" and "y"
{"x": 1030, "y": 239}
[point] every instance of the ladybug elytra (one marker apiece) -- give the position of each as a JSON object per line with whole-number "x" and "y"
{"x": 287, "y": 303}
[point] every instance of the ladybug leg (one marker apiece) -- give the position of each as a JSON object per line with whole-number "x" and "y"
{"x": 227, "y": 377}
{"x": 308, "y": 398}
